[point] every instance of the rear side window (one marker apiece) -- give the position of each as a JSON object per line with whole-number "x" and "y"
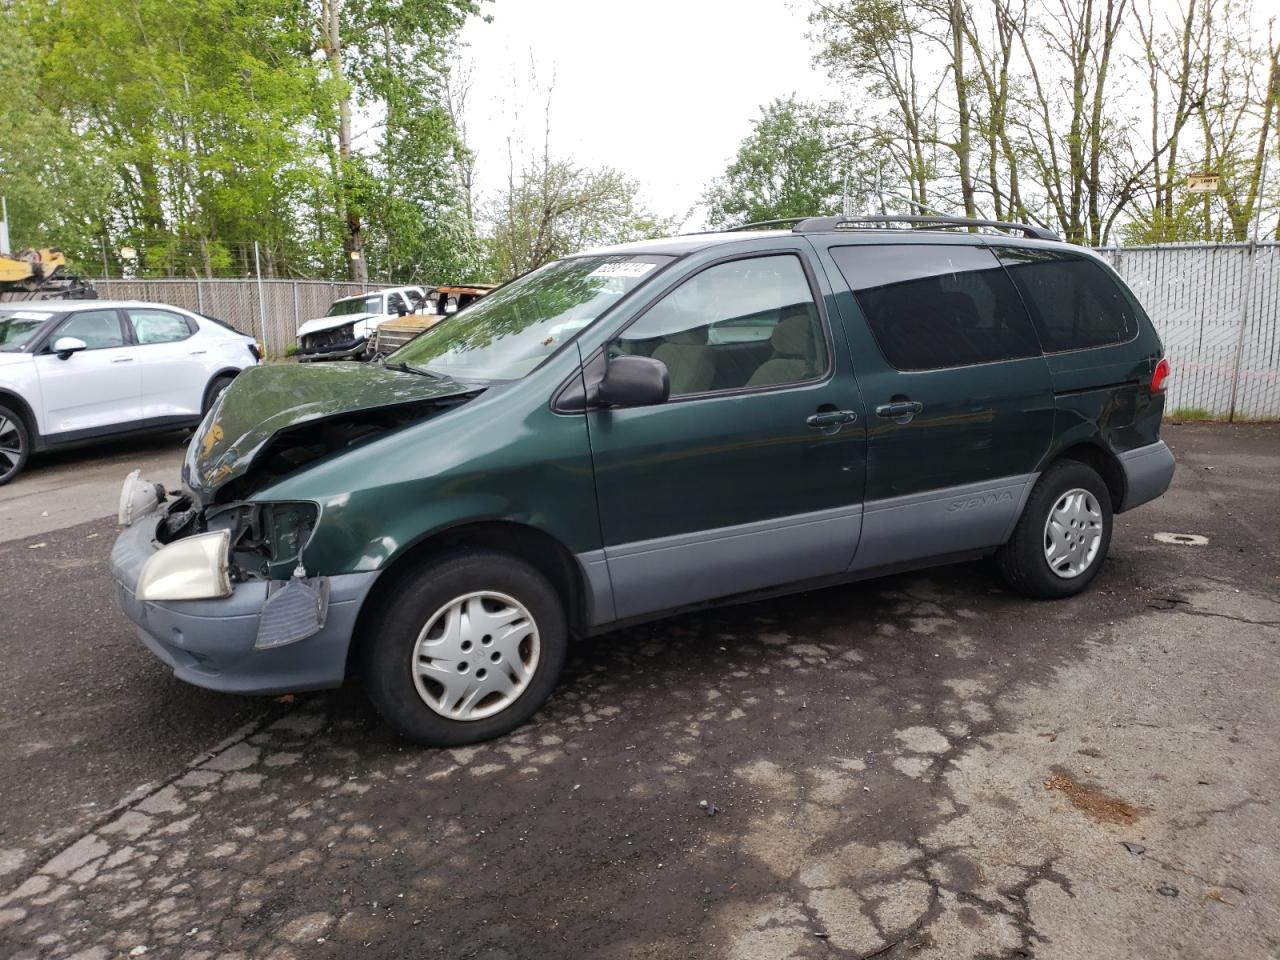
{"x": 931, "y": 307}
{"x": 159, "y": 326}
{"x": 1073, "y": 302}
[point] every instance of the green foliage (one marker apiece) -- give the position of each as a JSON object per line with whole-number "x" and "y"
{"x": 55, "y": 190}
{"x": 794, "y": 164}
{"x": 1189, "y": 413}
{"x": 189, "y": 129}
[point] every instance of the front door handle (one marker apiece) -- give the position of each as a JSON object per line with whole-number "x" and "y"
{"x": 196, "y": 353}
{"x": 123, "y": 360}
{"x": 831, "y": 418}
{"x": 899, "y": 408}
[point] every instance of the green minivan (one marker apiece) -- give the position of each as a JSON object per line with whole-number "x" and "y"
{"x": 647, "y": 428}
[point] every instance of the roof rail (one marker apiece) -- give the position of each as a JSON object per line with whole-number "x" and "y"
{"x": 762, "y": 224}
{"x": 826, "y": 224}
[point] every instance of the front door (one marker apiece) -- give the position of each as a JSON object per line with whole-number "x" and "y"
{"x": 95, "y": 388}
{"x": 751, "y": 474}
{"x": 959, "y": 400}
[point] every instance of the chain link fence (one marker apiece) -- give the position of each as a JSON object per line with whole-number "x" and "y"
{"x": 270, "y": 310}
{"x": 1217, "y": 308}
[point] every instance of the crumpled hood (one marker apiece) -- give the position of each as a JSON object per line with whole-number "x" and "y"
{"x": 264, "y": 400}
{"x": 328, "y": 323}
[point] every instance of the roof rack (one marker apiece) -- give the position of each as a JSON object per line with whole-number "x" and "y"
{"x": 764, "y": 224}
{"x": 826, "y": 224}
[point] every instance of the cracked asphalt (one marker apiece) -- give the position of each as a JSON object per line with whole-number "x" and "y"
{"x": 920, "y": 766}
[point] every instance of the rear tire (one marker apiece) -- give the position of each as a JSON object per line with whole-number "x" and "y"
{"x": 468, "y": 647}
{"x": 216, "y": 386}
{"x": 1063, "y": 535}
{"x": 15, "y": 444}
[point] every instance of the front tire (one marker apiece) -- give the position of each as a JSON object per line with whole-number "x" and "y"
{"x": 1063, "y": 535}
{"x": 15, "y": 444}
{"x": 468, "y": 648}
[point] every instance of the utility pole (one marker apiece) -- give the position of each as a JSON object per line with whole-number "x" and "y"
{"x": 262, "y": 315}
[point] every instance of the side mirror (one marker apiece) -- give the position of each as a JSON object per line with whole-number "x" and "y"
{"x": 402, "y": 310}
{"x": 634, "y": 382}
{"x": 64, "y": 347}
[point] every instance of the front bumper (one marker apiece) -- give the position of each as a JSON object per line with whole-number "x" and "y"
{"x": 210, "y": 643}
{"x": 1148, "y": 471}
{"x": 345, "y": 350}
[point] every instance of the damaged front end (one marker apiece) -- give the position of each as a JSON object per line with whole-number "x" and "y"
{"x": 217, "y": 579}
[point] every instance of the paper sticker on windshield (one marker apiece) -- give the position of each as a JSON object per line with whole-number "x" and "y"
{"x": 623, "y": 268}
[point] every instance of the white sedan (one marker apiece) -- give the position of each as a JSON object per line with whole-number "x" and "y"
{"x": 77, "y": 371}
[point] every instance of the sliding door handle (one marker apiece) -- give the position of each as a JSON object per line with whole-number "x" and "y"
{"x": 899, "y": 409}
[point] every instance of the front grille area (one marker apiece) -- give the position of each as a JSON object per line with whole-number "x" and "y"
{"x": 327, "y": 341}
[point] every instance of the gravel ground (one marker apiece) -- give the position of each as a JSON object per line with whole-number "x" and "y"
{"x": 920, "y": 766}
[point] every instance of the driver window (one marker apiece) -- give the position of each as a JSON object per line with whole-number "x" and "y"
{"x": 99, "y": 329}
{"x": 745, "y": 323}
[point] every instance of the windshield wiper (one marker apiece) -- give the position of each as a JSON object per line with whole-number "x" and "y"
{"x": 420, "y": 371}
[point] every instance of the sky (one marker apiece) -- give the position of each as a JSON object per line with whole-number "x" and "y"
{"x": 663, "y": 90}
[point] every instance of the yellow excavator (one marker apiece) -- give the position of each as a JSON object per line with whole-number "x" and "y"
{"x": 40, "y": 275}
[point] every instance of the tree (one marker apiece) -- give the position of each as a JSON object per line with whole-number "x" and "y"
{"x": 392, "y": 57}
{"x": 795, "y": 163}
{"x": 55, "y": 191}
{"x": 192, "y": 109}
{"x": 872, "y": 45}
{"x": 551, "y": 208}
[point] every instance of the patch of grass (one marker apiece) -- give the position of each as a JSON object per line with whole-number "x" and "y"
{"x": 1189, "y": 413}
{"x": 291, "y": 350}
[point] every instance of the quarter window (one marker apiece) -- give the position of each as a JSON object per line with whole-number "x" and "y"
{"x": 1073, "y": 302}
{"x": 99, "y": 329}
{"x": 936, "y": 306}
{"x": 745, "y": 323}
{"x": 159, "y": 326}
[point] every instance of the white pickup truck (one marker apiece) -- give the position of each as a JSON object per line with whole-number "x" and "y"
{"x": 346, "y": 331}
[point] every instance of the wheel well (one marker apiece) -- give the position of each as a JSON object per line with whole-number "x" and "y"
{"x": 17, "y": 404}
{"x": 540, "y": 550}
{"x": 231, "y": 372}
{"x": 1104, "y": 463}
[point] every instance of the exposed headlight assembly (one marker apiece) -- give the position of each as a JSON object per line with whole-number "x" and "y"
{"x": 194, "y": 568}
{"x": 138, "y": 497}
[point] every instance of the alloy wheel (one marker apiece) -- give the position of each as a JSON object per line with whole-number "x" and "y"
{"x": 11, "y": 446}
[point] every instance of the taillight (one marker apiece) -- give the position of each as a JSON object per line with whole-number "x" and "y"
{"x": 256, "y": 351}
{"x": 1160, "y": 375}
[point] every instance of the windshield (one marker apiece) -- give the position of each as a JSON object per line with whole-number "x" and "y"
{"x": 515, "y": 328}
{"x": 17, "y": 327}
{"x": 356, "y": 305}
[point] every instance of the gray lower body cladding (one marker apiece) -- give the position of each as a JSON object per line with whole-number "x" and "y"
{"x": 1148, "y": 471}
{"x": 649, "y": 576}
{"x": 210, "y": 643}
